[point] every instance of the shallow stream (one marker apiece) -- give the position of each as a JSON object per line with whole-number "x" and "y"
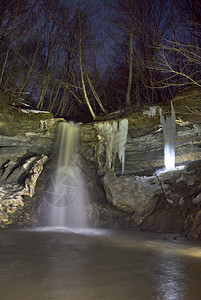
{"x": 57, "y": 264}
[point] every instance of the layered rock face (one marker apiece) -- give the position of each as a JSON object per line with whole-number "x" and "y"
{"x": 140, "y": 199}
{"x": 26, "y": 142}
{"x": 168, "y": 202}
{"x": 145, "y": 144}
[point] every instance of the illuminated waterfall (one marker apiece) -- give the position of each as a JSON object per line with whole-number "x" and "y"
{"x": 65, "y": 191}
{"x": 169, "y": 131}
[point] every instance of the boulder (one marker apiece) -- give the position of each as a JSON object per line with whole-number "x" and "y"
{"x": 135, "y": 194}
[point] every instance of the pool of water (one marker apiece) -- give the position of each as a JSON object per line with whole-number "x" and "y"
{"x": 59, "y": 264}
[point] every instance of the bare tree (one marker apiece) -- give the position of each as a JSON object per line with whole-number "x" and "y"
{"x": 139, "y": 27}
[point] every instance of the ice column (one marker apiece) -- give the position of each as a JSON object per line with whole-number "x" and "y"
{"x": 121, "y": 137}
{"x": 114, "y": 136}
{"x": 169, "y": 132}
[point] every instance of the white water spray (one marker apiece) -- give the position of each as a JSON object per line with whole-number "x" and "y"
{"x": 65, "y": 191}
{"x": 169, "y": 132}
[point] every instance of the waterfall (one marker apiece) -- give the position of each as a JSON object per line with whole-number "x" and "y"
{"x": 65, "y": 192}
{"x": 169, "y": 131}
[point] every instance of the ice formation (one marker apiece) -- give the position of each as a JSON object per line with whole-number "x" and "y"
{"x": 115, "y": 138}
{"x": 121, "y": 139}
{"x": 151, "y": 112}
{"x": 169, "y": 132}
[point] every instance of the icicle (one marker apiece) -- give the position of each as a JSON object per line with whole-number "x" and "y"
{"x": 115, "y": 137}
{"x": 122, "y": 139}
{"x": 151, "y": 112}
{"x": 169, "y": 131}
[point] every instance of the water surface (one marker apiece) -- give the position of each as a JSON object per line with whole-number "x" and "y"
{"x": 58, "y": 264}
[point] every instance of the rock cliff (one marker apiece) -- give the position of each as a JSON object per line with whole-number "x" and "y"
{"x": 168, "y": 202}
{"x": 144, "y": 148}
{"x": 26, "y": 143}
{"x": 143, "y": 198}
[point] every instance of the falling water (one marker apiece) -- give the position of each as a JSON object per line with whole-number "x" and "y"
{"x": 65, "y": 191}
{"x": 169, "y": 131}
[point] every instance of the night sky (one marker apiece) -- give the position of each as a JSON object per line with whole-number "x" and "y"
{"x": 132, "y": 53}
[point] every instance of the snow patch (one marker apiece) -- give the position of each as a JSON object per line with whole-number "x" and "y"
{"x": 26, "y": 111}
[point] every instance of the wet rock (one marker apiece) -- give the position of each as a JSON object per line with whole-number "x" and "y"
{"x": 3, "y": 217}
{"x": 160, "y": 203}
{"x": 132, "y": 194}
{"x": 197, "y": 199}
{"x": 25, "y": 147}
{"x": 30, "y": 182}
{"x": 12, "y": 195}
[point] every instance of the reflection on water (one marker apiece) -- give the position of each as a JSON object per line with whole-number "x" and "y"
{"x": 59, "y": 264}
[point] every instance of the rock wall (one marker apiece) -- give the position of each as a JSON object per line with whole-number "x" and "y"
{"x": 168, "y": 202}
{"x": 143, "y": 199}
{"x": 26, "y": 143}
{"x": 144, "y": 148}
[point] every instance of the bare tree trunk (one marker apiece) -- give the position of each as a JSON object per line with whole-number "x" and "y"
{"x": 43, "y": 92}
{"x": 128, "y": 94}
{"x": 93, "y": 89}
{"x": 10, "y": 44}
{"x": 81, "y": 66}
{"x": 53, "y": 101}
{"x": 30, "y": 68}
{"x": 61, "y": 104}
